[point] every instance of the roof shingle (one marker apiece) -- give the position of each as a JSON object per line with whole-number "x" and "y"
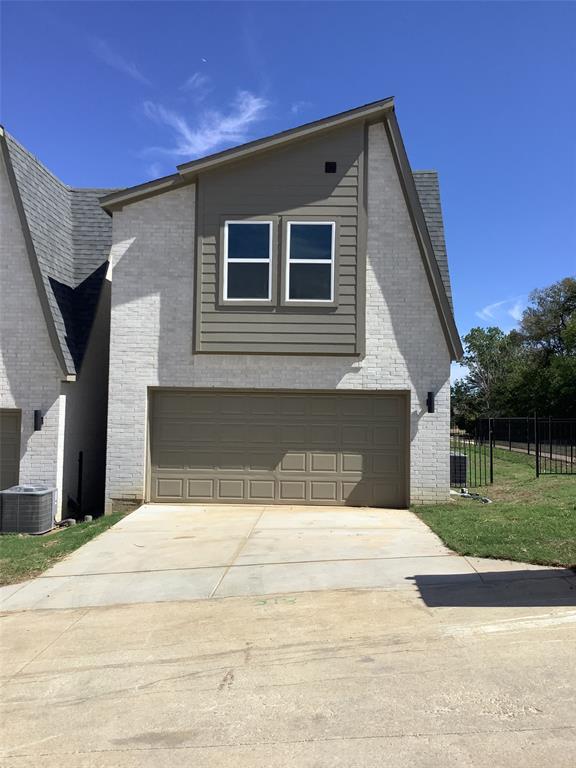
{"x": 428, "y": 189}
{"x": 71, "y": 237}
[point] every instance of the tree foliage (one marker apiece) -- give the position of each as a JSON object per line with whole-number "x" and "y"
{"x": 529, "y": 370}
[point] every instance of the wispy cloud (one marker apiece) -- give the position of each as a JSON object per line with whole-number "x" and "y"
{"x": 213, "y": 129}
{"x": 502, "y": 310}
{"x": 198, "y": 85}
{"x": 105, "y": 53}
{"x": 299, "y": 106}
{"x": 154, "y": 169}
{"x": 517, "y": 310}
{"x": 490, "y": 310}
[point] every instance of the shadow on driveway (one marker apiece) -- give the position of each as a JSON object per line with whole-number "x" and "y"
{"x": 522, "y": 589}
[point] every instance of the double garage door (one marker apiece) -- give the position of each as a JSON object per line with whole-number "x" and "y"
{"x": 278, "y": 448}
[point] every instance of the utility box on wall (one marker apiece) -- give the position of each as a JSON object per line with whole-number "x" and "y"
{"x": 27, "y": 509}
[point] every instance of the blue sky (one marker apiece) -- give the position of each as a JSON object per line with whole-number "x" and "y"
{"x": 116, "y": 93}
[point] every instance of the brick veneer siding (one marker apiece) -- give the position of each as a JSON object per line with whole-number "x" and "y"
{"x": 153, "y": 314}
{"x": 30, "y": 376}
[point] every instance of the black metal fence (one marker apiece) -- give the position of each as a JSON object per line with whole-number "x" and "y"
{"x": 471, "y": 458}
{"x": 551, "y": 441}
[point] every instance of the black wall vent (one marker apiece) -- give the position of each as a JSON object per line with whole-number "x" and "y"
{"x": 330, "y": 166}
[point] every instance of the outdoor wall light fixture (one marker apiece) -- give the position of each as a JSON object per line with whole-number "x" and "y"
{"x": 38, "y": 420}
{"x": 430, "y": 402}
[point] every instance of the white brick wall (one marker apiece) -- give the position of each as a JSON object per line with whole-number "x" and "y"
{"x": 152, "y": 319}
{"x": 29, "y": 371}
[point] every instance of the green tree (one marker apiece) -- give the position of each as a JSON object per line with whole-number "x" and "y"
{"x": 522, "y": 372}
{"x": 549, "y": 325}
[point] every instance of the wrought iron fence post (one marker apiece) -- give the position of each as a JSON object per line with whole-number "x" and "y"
{"x": 528, "y": 433}
{"x": 550, "y": 436}
{"x": 490, "y": 442}
{"x": 537, "y": 445}
{"x": 509, "y": 435}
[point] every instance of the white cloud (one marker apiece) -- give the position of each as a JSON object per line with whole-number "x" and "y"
{"x": 500, "y": 311}
{"x": 490, "y": 310}
{"x": 118, "y": 62}
{"x": 517, "y": 310}
{"x": 154, "y": 170}
{"x": 299, "y": 106}
{"x": 198, "y": 85}
{"x": 213, "y": 129}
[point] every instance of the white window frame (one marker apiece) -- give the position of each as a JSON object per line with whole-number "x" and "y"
{"x": 290, "y": 261}
{"x": 228, "y": 260}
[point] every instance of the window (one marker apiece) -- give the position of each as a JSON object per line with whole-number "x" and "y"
{"x": 247, "y": 261}
{"x": 310, "y": 255}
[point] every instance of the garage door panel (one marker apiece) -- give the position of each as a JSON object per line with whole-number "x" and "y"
{"x": 292, "y": 434}
{"x": 323, "y": 462}
{"x": 326, "y": 435}
{"x": 389, "y": 407}
{"x": 173, "y": 459}
{"x": 323, "y": 406}
{"x": 352, "y": 462}
{"x": 386, "y": 436}
{"x": 263, "y": 462}
{"x": 293, "y": 462}
{"x": 386, "y": 464}
{"x": 293, "y": 490}
{"x": 231, "y": 489}
{"x": 290, "y": 406}
{"x": 324, "y": 490}
{"x": 201, "y": 490}
{"x": 279, "y": 448}
{"x": 170, "y": 488}
{"x": 262, "y": 489}
{"x": 354, "y": 407}
{"x": 356, "y": 435}
{"x": 230, "y": 461}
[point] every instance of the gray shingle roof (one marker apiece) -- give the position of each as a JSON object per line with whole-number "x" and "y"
{"x": 428, "y": 189}
{"x": 71, "y": 237}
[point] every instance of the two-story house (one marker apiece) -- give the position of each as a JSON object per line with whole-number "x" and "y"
{"x": 282, "y": 326}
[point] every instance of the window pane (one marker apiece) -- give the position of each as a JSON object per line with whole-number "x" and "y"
{"x": 248, "y": 241}
{"x": 310, "y": 281}
{"x": 310, "y": 241}
{"x": 247, "y": 281}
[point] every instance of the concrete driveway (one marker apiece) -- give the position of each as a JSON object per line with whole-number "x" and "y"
{"x": 163, "y": 553}
{"x": 377, "y": 648}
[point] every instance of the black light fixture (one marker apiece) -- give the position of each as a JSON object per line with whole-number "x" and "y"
{"x": 430, "y": 402}
{"x": 38, "y": 420}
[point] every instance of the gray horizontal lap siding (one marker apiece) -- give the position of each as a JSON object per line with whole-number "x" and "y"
{"x": 285, "y": 183}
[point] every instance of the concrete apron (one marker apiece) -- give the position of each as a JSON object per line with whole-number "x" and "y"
{"x": 166, "y": 553}
{"x": 346, "y": 679}
{"x": 436, "y": 661}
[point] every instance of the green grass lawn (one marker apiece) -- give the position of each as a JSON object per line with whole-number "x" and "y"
{"x": 23, "y": 556}
{"x": 531, "y": 519}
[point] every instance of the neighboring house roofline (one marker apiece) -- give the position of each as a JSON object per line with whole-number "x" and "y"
{"x": 68, "y": 239}
{"x": 34, "y": 264}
